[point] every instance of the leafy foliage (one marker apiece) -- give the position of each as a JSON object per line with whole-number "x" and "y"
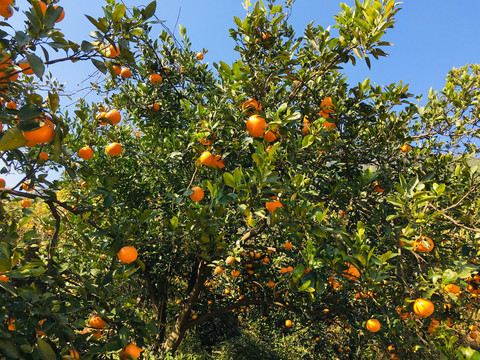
{"x": 364, "y": 178}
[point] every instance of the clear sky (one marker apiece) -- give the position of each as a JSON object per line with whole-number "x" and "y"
{"x": 430, "y": 36}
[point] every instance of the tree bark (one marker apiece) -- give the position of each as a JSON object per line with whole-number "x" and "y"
{"x": 181, "y": 324}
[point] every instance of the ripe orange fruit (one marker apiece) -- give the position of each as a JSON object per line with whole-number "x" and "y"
{"x": 126, "y": 73}
{"x": 327, "y": 105}
{"x": 25, "y": 203}
{"x": 423, "y": 308}
{"x": 329, "y": 125}
{"x": 351, "y": 273}
{"x": 272, "y": 205}
{"x": 217, "y": 162}
{"x": 473, "y": 328}
{"x": 113, "y": 51}
{"x": 452, "y": 288}
{"x": 2, "y": 183}
{"x": 117, "y": 69}
{"x": 377, "y": 188}
{"x": 6, "y": 11}
{"x": 373, "y": 325}
{"x": 251, "y": 106}
{"x": 155, "y": 79}
{"x": 290, "y": 269}
{"x": 200, "y": 56}
{"x": 271, "y": 135}
{"x": 26, "y": 69}
{"x": 127, "y": 254}
{"x": 11, "y": 324}
{"x": 288, "y": 323}
{"x": 420, "y": 246}
{"x": 155, "y": 107}
{"x": 102, "y": 114}
{"x": 85, "y": 153}
{"x": 288, "y": 245}
{"x": 206, "y": 158}
{"x": 5, "y": 62}
{"x": 405, "y": 148}
{"x": 433, "y": 325}
{"x": 27, "y": 187}
{"x": 218, "y": 270}
{"x": 114, "y": 116}
{"x": 473, "y": 335}
{"x": 62, "y": 15}
{"x": 230, "y": 260}
{"x": 11, "y": 105}
{"x": 5, "y": 2}
{"x": 4, "y": 278}
{"x": 205, "y": 142}
{"x": 43, "y": 156}
{"x": 283, "y": 270}
{"x": 235, "y": 273}
{"x": 271, "y": 284}
{"x": 42, "y": 135}
{"x": 114, "y": 149}
{"x": 256, "y": 126}
{"x": 131, "y": 350}
{"x": 197, "y": 193}
{"x": 97, "y": 322}
{"x": 73, "y": 355}
{"x": 266, "y": 260}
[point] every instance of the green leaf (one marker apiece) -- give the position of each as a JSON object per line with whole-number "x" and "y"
{"x": 225, "y": 68}
{"x": 36, "y": 64}
{"x": 12, "y": 139}
{"x": 51, "y": 15}
{"x": 360, "y": 229}
{"x": 8, "y": 348}
{"x": 305, "y": 285}
{"x": 118, "y": 13}
{"x": 362, "y": 24}
{"x": 53, "y": 101}
{"x": 149, "y": 11}
{"x": 307, "y": 141}
{"x": 145, "y": 215}
{"x": 174, "y": 222}
{"x": 124, "y": 336}
{"x": 87, "y": 46}
{"x": 137, "y": 31}
{"x": 449, "y": 277}
{"x": 385, "y": 256}
{"x": 100, "y": 66}
{"x": 229, "y": 179}
{"x": 298, "y": 271}
{"x": 28, "y": 112}
{"x": 45, "y": 350}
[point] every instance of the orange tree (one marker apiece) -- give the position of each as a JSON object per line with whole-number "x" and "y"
{"x": 270, "y": 187}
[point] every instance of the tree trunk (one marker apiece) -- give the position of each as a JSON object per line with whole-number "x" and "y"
{"x": 181, "y": 325}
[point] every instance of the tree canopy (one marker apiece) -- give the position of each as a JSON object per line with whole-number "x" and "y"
{"x": 199, "y": 205}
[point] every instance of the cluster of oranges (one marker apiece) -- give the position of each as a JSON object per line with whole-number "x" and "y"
{"x": 112, "y": 149}
{"x": 327, "y": 108}
{"x": 6, "y": 10}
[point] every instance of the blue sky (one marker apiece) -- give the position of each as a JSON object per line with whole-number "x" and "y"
{"x": 430, "y": 36}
